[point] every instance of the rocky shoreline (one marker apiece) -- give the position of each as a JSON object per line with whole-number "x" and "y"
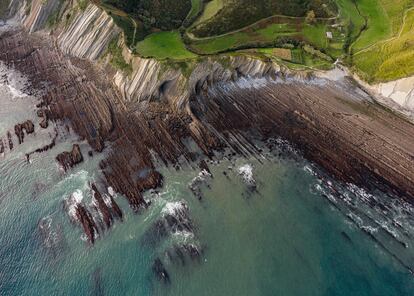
{"x": 334, "y": 123}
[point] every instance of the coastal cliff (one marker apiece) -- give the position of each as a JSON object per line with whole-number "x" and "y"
{"x": 86, "y": 33}
{"x": 157, "y": 112}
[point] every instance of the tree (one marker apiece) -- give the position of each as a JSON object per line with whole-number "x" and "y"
{"x": 310, "y": 17}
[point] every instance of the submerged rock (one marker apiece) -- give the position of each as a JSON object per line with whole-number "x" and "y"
{"x": 160, "y": 271}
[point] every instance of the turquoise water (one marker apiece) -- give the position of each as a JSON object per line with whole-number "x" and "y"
{"x": 289, "y": 236}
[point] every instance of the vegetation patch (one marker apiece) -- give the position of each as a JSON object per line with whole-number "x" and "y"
{"x": 4, "y": 5}
{"x": 117, "y": 59}
{"x": 161, "y": 14}
{"x": 164, "y": 45}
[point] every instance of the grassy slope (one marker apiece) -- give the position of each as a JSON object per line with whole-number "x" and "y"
{"x": 378, "y": 21}
{"x": 196, "y": 7}
{"x": 210, "y": 10}
{"x": 164, "y": 45}
{"x": 392, "y": 59}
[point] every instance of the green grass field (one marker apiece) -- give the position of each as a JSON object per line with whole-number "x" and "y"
{"x": 210, "y": 10}
{"x": 254, "y": 35}
{"x": 391, "y": 59}
{"x": 196, "y": 7}
{"x": 378, "y": 22}
{"x": 164, "y": 45}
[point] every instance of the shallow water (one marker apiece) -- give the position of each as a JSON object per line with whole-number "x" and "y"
{"x": 289, "y": 236}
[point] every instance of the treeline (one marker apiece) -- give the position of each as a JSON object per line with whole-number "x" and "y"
{"x": 161, "y": 14}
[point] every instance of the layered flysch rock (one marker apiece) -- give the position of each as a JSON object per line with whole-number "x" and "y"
{"x": 34, "y": 14}
{"x": 89, "y": 34}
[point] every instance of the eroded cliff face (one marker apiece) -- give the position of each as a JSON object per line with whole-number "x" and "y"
{"x": 89, "y": 34}
{"x": 400, "y": 91}
{"x": 35, "y": 15}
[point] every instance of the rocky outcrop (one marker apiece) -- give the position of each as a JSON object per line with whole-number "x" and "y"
{"x": 44, "y": 115}
{"x": 34, "y": 14}
{"x": 10, "y": 140}
{"x": 19, "y": 129}
{"x": 68, "y": 160}
{"x": 89, "y": 34}
{"x": 107, "y": 207}
{"x": 88, "y": 224}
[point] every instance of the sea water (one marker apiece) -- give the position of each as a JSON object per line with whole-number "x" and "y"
{"x": 265, "y": 225}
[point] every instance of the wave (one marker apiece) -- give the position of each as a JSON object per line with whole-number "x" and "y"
{"x": 246, "y": 172}
{"x": 72, "y": 202}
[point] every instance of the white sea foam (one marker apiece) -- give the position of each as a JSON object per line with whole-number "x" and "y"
{"x": 111, "y": 191}
{"x": 106, "y": 198}
{"x": 171, "y": 208}
{"x": 246, "y": 172}
{"x": 183, "y": 237}
{"x": 72, "y": 202}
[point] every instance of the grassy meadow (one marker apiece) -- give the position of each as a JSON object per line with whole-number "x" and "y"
{"x": 163, "y": 45}
{"x": 391, "y": 59}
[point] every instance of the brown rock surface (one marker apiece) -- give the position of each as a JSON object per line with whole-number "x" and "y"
{"x": 69, "y": 159}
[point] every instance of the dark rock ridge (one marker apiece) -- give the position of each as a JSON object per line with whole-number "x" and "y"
{"x": 10, "y": 140}
{"x": 334, "y": 123}
{"x": 109, "y": 210}
{"x": 69, "y": 159}
{"x": 86, "y": 220}
{"x": 44, "y": 148}
{"x": 19, "y": 129}
{"x": 43, "y": 114}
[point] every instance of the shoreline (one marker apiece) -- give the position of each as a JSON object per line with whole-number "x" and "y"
{"x": 334, "y": 124}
